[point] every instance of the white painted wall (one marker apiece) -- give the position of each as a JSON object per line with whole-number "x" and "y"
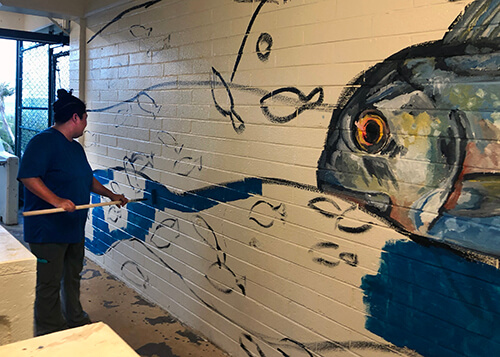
{"x": 270, "y": 267}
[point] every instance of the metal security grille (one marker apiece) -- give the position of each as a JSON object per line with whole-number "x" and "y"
{"x": 61, "y": 67}
{"x": 42, "y": 69}
{"x": 33, "y": 85}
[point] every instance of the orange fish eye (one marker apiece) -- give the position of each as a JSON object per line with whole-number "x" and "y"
{"x": 371, "y": 132}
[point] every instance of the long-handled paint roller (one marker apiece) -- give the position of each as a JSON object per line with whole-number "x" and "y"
{"x": 91, "y": 205}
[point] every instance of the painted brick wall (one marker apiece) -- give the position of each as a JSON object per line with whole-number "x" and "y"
{"x": 321, "y": 176}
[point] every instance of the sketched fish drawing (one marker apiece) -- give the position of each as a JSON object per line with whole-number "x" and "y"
{"x": 416, "y": 138}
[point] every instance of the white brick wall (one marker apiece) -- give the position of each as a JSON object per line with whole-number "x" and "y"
{"x": 279, "y": 268}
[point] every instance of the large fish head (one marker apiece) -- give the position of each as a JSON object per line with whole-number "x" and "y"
{"x": 389, "y": 149}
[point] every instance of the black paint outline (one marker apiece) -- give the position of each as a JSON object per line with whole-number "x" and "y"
{"x": 120, "y": 16}
{"x": 247, "y": 33}
{"x": 274, "y": 208}
{"x": 302, "y": 97}
{"x": 231, "y": 113}
{"x": 267, "y": 39}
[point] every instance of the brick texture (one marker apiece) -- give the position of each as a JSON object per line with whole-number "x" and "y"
{"x": 307, "y": 193}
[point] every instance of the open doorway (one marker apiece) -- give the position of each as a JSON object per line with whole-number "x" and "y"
{"x": 34, "y": 66}
{"x": 31, "y": 74}
{"x": 8, "y": 48}
{"x": 42, "y": 68}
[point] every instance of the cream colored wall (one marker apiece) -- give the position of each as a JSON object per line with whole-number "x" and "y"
{"x": 52, "y": 8}
{"x": 273, "y": 266}
{"x": 70, "y": 10}
{"x": 21, "y": 22}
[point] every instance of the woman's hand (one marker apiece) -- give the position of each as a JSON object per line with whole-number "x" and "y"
{"x": 98, "y": 188}
{"x": 65, "y": 204}
{"x": 123, "y": 200}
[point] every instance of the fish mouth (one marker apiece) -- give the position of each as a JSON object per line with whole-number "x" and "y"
{"x": 375, "y": 202}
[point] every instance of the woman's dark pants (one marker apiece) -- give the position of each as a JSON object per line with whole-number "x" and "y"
{"x": 57, "y": 302}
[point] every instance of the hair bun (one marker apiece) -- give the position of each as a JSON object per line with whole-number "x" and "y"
{"x": 66, "y": 105}
{"x": 63, "y": 94}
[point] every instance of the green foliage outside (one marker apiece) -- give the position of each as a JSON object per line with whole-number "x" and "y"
{"x": 5, "y": 139}
{"x": 6, "y": 121}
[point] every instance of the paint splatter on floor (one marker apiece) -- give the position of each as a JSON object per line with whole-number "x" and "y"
{"x": 191, "y": 336}
{"x": 148, "y": 329}
{"x": 161, "y": 320}
{"x": 141, "y": 301}
{"x": 156, "y": 350}
{"x": 90, "y": 274}
{"x": 109, "y": 304}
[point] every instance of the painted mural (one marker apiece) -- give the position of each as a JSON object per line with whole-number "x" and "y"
{"x": 416, "y": 142}
{"x": 409, "y": 168}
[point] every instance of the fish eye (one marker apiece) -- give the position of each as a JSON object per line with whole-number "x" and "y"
{"x": 371, "y": 132}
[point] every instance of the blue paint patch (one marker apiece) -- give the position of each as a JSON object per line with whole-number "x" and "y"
{"x": 141, "y": 215}
{"x": 200, "y": 200}
{"x": 434, "y": 302}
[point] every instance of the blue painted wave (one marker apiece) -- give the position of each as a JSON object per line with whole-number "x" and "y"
{"x": 141, "y": 216}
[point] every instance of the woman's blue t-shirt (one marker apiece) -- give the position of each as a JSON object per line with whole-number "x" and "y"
{"x": 63, "y": 167}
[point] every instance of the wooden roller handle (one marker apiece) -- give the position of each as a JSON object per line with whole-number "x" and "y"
{"x": 90, "y": 205}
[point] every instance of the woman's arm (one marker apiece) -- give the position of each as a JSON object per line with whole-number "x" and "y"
{"x": 98, "y": 188}
{"x": 37, "y": 187}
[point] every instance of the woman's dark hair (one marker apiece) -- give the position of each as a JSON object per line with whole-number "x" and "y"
{"x": 66, "y": 105}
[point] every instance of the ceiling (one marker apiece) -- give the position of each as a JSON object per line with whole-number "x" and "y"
{"x": 69, "y": 9}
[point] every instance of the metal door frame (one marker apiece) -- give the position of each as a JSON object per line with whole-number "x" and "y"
{"x": 53, "y": 60}
{"x": 20, "y": 36}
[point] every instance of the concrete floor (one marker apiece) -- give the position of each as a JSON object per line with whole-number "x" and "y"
{"x": 147, "y": 328}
